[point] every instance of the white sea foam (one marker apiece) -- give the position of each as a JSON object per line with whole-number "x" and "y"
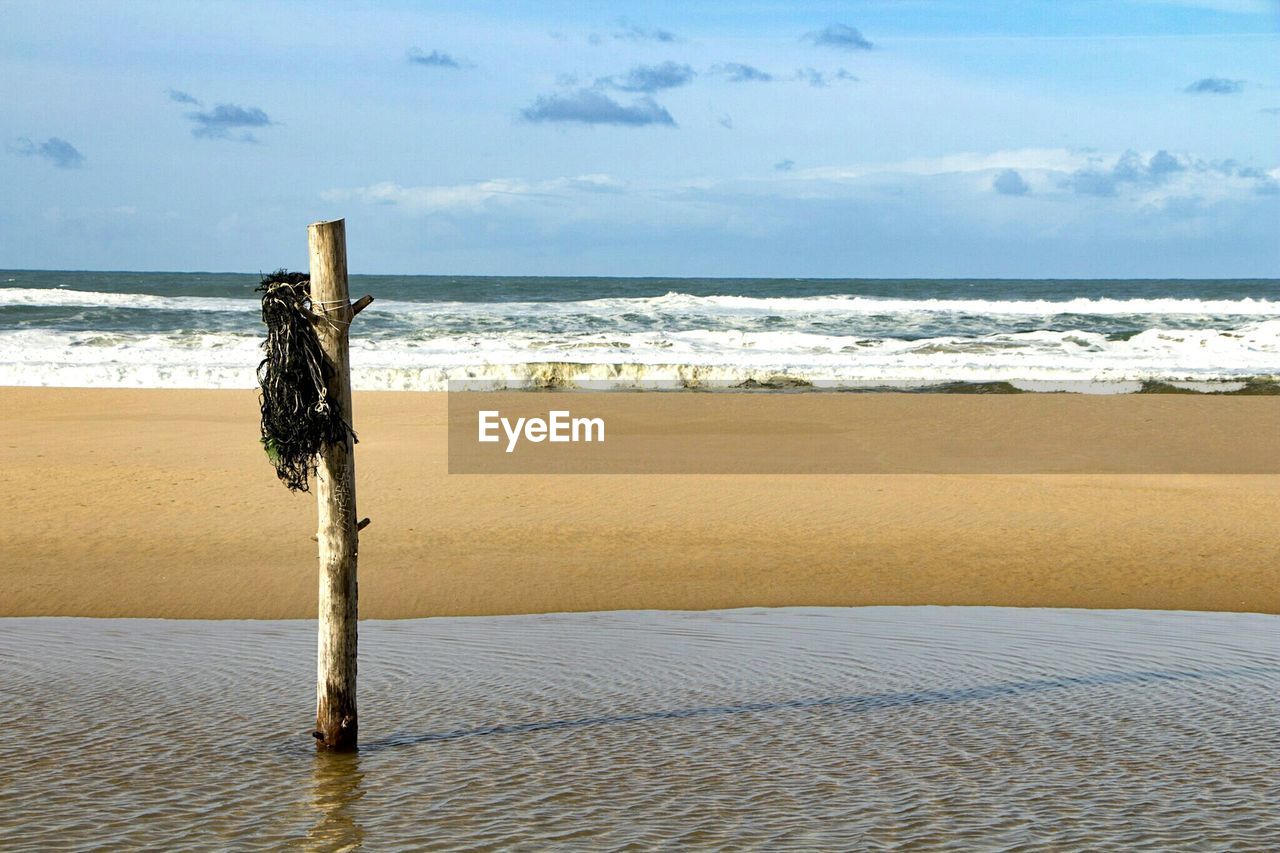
{"x": 225, "y": 360}
{"x": 59, "y": 298}
{"x": 675, "y": 338}
{"x": 1032, "y": 307}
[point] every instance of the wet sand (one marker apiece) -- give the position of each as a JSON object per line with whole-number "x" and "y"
{"x": 161, "y": 504}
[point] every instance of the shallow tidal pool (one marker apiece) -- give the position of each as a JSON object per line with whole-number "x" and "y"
{"x": 796, "y": 728}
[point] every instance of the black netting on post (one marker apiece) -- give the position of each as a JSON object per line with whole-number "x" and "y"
{"x": 297, "y": 415}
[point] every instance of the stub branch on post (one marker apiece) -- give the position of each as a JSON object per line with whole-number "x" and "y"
{"x": 337, "y": 725}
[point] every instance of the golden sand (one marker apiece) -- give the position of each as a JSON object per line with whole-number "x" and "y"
{"x": 161, "y": 503}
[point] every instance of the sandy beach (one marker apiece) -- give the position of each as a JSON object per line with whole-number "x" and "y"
{"x": 148, "y": 503}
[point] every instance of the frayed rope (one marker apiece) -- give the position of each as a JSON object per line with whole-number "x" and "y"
{"x": 298, "y": 417}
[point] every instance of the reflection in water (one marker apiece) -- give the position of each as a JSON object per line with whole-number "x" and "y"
{"x": 336, "y": 779}
{"x": 801, "y": 728}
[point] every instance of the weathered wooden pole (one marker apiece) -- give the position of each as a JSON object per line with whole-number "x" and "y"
{"x": 338, "y": 534}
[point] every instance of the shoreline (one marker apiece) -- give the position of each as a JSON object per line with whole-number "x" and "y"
{"x": 160, "y": 504}
{"x": 648, "y": 378}
{"x": 622, "y": 613}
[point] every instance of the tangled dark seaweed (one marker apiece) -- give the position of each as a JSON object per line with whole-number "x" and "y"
{"x": 298, "y": 417}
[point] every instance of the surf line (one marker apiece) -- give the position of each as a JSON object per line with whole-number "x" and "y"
{"x": 558, "y": 426}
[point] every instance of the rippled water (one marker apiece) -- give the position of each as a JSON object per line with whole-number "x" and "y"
{"x": 758, "y": 729}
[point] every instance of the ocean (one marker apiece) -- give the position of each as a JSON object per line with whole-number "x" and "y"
{"x": 203, "y": 330}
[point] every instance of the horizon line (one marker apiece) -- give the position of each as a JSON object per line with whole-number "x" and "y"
{"x": 1275, "y": 277}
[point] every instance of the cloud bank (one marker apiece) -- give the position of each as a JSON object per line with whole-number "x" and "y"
{"x": 738, "y": 72}
{"x": 436, "y": 59}
{"x": 1215, "y": 86}
{"x": 59, "y": 152}
{"x": 476, "y": 197}
{"x": 840, "y": 36}
{"x": 179, "y": 97}
{"x": 590, "y": 106}
{"x": 219, "y": 122}
{"x": 873, "y": 212}
{"x": 631, "y": 32}
{"x": 651, "y": 78}
{"x": 1129, "y": 168}
{"x": 1010, "y": 182}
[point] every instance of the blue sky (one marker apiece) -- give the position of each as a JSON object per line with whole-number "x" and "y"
{"x": 1087, "y": 138}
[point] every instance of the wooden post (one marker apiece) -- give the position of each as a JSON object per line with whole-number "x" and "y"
{"x": 336, "y": 723}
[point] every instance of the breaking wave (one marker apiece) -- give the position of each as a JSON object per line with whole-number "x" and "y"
{"x": 120, "y": 329}
{"x": 227, "y": 360}
{"x": 848, "y": 304}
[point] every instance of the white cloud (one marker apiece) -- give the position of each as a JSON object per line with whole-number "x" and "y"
{"x": 1069, "y": 183}
{"x": 1060, "y": 159}
{"x": 433, "y": 198}
{"x": 1241, "y": 7}
{"x": 473, "y": 197}
{"x": 1139, "y": 178}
